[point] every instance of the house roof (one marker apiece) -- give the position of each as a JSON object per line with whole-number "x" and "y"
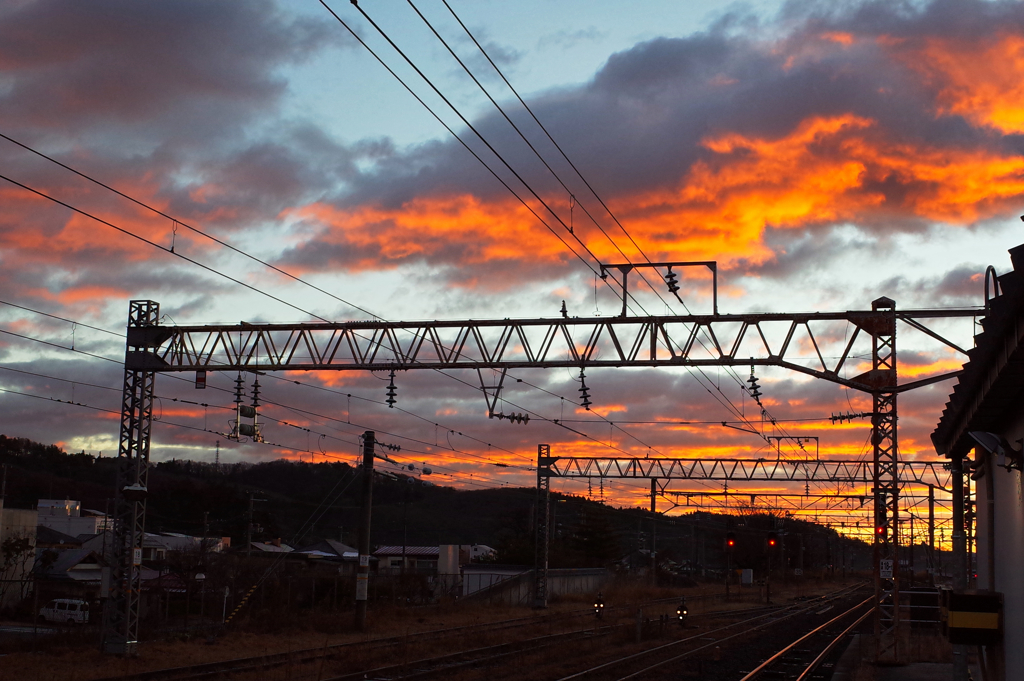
{"x": 422, "y": 551}
{"x": 48, "y": 535}
{"x": 992, "y": 379}
{"x": 271, "y": 548}
{"x": 328, "y": 548}
{"x": 64, "y": 562}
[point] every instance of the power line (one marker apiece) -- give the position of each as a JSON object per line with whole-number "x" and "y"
{"x": 727, "y": 403}
{"x": 172, "y": 252}
{"x": 187, "y": 226}
{"x": 63, "y": 319}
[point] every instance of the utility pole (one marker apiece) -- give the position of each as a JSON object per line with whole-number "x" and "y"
{"x": 654, "y": 532}
{"x": 363, "y": 571}
{"x": 931, "y": 527}
{"x": 542, "y": 538}
{"x": 249, "y": 525}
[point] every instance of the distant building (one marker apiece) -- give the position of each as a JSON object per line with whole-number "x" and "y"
{"x": 69, "y": 573}
{"x": 452, "y": 557}
{"x": 409, "y": 559}
{"x": 269, "y": 547}
{"x": 48, "y": 538}
{"x": 333, "y": 551}
{"x": 67, "y": 516}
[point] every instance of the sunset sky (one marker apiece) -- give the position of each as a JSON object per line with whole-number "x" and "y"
{"x": 825, "y": 154}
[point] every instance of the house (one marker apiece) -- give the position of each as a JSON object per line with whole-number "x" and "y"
{"x": 68, "y": 517}
{"x": 420, "y": 560}
{"x": 985, "y": 415}
{"x": 269, "y": 547}
{"x": 333, "y": 551}
{"x": 48, "y": 538}
{"x": 69, "y": 573}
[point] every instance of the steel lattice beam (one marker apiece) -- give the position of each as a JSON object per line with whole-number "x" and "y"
{"x": 769, "y": 339}
{"x": 749, "y": 470}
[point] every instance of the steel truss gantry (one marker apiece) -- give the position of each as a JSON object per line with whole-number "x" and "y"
{"x": 747, "y": 470}
{"x": 763, "y": 339}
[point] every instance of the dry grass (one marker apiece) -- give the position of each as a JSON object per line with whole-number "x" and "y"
{"x": 75, "y": 656}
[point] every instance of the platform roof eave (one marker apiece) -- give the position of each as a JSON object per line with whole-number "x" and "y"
{"x": 992, "y": 381}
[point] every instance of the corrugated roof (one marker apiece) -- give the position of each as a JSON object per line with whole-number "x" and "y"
{"x": 993, "y": 377}
{"x": 433, "y": 551}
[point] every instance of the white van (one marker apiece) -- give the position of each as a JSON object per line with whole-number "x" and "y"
{"x": 65, "y": 610}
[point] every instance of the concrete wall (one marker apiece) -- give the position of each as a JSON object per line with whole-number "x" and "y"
{"x": 1007, "y": 661}
{"x": 517, "y": 589}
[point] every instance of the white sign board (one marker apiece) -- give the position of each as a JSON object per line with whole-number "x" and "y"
{"x": 136, "y": 556}
{"x": 885, "y": 568}
{"x": 364, "y": 561}
{"x": 362, "y": 582}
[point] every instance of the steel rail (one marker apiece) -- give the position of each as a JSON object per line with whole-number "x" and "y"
{"x": 447, "y": 662}
{"x": 645, "y": 653}
{"x": 774, "y": 658}
{"x": 831, "y": 646}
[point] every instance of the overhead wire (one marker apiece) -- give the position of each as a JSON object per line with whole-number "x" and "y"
{"x": 172, "y": 252}
{"x": 486, "y": 143}
{"x": 508, "y": 166}
{"x": 728, "y": 403}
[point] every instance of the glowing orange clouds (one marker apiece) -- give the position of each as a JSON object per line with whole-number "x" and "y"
{"x": 476, "y": 231}
{"x": 983, "y": 81}
{"x": 827, "y": 169}
{"x": 824, "y": 171}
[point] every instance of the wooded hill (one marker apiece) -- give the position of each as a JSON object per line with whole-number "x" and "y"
{"x": 305, "y": 502}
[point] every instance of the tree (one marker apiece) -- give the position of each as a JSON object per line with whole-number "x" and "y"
{"x": 16, "y": 552}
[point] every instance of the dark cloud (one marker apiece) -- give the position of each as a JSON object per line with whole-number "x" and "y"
{"x": 120, "y": 63}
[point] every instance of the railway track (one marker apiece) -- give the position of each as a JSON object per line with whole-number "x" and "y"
{"x": 664, "y": 661}
{"x": 317, "y": 657}
{"x": 787, "y": 662}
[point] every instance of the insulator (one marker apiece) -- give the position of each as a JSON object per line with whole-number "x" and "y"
{"x": 755, "y": 389}
{"x": 256, "y": 393}
{"x": 584, "y": 395}
{"x": 672, "y": 280}
{"x": 238, "y": 389}
{"x": 392, "y": 391}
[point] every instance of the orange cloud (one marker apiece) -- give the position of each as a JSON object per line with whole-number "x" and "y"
{"x": 500, "y": 230}
{"x": 983, "y": 80}
{"x": 823, "y": 171}
{"x": 827, "y": 169}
